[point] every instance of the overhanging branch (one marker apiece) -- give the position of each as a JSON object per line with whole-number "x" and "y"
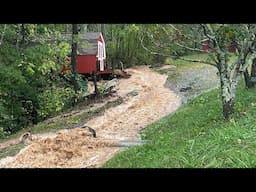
{"x": 186, "y": 36}
{"x": 176, "y": 56}
{"x": 190, "y": 48}
{"x": 198, "y": 61}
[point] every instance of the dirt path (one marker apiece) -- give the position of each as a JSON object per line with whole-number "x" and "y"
{"x": 147, "y": 98}
{"x": 90, "y": 107}
{"x": 190, "y": 83}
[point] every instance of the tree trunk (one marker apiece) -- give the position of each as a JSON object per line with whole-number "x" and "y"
{"x": 247, "y": 79}
{"x": 85, "y": 28}
{"x": 253, "y": 72}
{"x": 228, "y": 108}
{"x": 111, "y": 32}
{"x": 102, "y": 29}
{"x": 96, "y": 90}
{"x": 18, "y": 32}
{"x": 23, "y": 34}
{"x": 68, "y": 28}
{"x": 3, "y": 34}
{"x": 73, "y": 56}
{"x": 228, "y": 89}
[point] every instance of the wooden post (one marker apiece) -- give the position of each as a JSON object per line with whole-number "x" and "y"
{"x": 121, "y": 65}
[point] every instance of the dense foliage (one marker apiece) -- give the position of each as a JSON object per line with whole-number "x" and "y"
{"x": 31, "y": 58}
{"x": 122, "y": 43}
{"x": 30, "y": 88}
{"x": 32, "y": 55}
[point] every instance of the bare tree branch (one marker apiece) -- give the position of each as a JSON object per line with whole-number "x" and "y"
{"x": 190, "y": 48}
{"x": 176, "y": 43}
{"x": 186, "y": 36}
{"x": 198, "y": 61}
{"x": 174, "y": 27}
{"x": 206, "y": 33}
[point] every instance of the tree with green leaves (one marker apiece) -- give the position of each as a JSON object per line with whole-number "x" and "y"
{"x": 122, "y": 45}
{"x": 31, "y": 90}
{"x": 231, "y": 66}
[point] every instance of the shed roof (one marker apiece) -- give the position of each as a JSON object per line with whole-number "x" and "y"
{"x": 88, "y": 42}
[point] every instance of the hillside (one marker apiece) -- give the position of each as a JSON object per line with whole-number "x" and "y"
{"x": 196, "y": 136}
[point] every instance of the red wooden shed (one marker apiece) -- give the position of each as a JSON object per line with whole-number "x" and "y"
{"x": 207, "y": 47}
{"x": 232, "y": 48}
{"x": 91, "y": 56}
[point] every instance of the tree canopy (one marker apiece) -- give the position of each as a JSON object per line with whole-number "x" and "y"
{"x": 32, "y": 55}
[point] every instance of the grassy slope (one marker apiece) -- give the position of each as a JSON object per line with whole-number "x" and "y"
{"x": 182, "y": 65}
{"x": 11, "y": 151}
{"x": 62, "y": 123}
{"x": 197, "y": 136}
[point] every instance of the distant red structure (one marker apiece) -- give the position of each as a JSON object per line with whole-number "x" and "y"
{"x": 207, "y": 47}
{"x": 232, "y": 48}
{"x": 91, "y": 55}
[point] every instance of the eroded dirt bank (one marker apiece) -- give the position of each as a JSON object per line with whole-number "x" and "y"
{"x": 146, "y": 100}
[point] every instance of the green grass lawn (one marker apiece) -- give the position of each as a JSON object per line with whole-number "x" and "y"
{"x": 181, "y": 64}
{"x": 184, "y": 65}
{"x": 196, "y": 136}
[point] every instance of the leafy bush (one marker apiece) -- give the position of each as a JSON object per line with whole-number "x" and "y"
{"x": 17, "y": 100}
{"x": 2, "y": 134}
{"x": 30, "y": 64}
{"x": 54, "y": 100}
